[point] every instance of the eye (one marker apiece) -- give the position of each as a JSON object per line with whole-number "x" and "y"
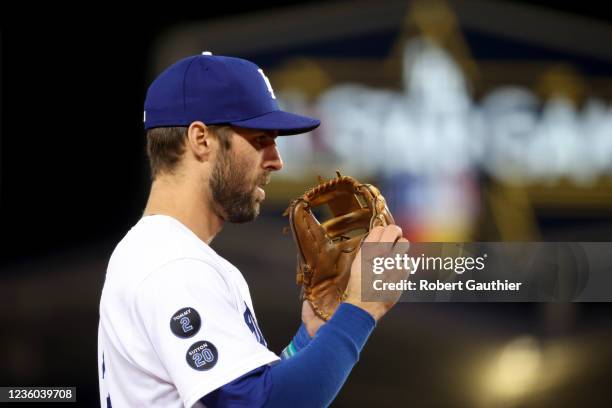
{"x": 264, "y": 140}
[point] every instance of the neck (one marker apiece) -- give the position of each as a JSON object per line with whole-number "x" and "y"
{"x": 186, "y": 202}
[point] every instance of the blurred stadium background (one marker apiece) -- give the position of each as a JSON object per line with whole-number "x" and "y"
{"x": 480, "y": 120}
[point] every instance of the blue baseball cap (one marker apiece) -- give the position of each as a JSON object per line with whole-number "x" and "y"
{"x": 218, "y": 90}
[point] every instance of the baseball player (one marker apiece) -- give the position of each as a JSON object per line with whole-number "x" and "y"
{"x": 177, "y": 323}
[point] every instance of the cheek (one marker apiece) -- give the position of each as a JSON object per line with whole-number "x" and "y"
{"x": 243, "y": 168}
{"x": 249, "y": 164}
{"x": 245, "y": 160}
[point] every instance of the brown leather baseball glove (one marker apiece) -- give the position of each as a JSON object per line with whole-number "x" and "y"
{"x": 326, "y": 250}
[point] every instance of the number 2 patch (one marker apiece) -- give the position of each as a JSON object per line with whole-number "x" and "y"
{"x": 185, "y": 322}
{"x": 202, "y": 355}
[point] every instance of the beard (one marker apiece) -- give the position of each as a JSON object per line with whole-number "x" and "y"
{"x": 232, "y": 193}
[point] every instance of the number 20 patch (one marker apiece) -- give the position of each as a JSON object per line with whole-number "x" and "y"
{"x": 202, "y": 355}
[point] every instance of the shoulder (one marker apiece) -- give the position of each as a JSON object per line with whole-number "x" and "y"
{"x": 187, "y": 275}
{"x": 158, "y": 242}
{"x": 159, "y": 256}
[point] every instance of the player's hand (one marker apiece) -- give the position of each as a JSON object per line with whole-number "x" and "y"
{"x": 310, "y": 319}
{"x": 391, "y": 235}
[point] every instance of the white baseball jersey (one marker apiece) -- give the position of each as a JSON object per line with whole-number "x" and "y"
{"x": 176, "y": 320}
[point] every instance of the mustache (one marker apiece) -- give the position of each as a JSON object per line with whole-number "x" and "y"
{"x": 264, "y": 179}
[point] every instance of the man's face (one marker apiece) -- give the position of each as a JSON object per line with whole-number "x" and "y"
{"x": 240, "y": 173}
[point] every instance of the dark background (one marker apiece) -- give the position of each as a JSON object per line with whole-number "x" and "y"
{"x": 73, "y": 179}
{"x": 72, "y": 142}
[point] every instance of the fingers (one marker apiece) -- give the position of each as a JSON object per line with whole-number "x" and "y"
{"x": 389, "y": 233}
{"x": 403, "y": 243}
{"x": 375, "y": 234}
{"x": 383, "y": 240}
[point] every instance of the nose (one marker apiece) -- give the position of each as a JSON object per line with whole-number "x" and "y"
{"x": 272, "y": 158}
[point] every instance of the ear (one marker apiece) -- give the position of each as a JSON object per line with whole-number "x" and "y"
{"x": 200, "y": 141}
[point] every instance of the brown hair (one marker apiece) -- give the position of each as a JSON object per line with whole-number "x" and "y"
{"x": 166, "y": 145}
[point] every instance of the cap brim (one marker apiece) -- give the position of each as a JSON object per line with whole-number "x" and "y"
{"x": 284, "y": 122}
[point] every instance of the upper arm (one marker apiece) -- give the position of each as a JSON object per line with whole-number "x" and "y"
{"x": 196, "y": 328}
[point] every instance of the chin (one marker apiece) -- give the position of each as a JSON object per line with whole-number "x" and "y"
{"x": 244, "y": 218}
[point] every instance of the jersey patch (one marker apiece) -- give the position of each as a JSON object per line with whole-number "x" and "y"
{"x": 202, "y": 355}
{"x": 185, "y": 322}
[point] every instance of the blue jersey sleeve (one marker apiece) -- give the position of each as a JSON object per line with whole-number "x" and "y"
{"x": 250, "y": 390}
{"x": 323, "y": 364}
